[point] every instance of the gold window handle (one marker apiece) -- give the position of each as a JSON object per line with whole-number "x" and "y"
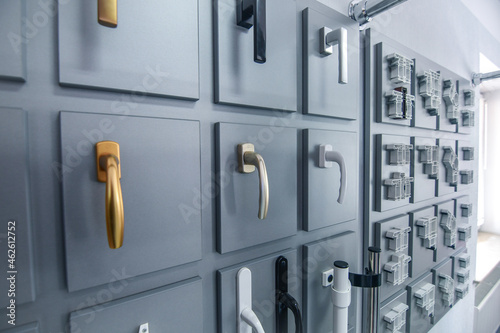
{"x": 109, "y": 172}
{"x": 107, "y": 13}
{"x": 248, "y": 160}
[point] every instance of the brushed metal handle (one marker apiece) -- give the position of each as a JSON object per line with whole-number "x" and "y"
{"x": 329, "y": 38}
{"x": 326, "y": 157}
{"x": 107, "y": 13}
{"x": 256, "y": 9}
{"x": 248, "y": 161}
{"x": 108, "y": 171}
{"x": 247, "y": 319}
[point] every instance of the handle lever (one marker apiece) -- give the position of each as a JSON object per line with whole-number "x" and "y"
{"x": 326, "y": 158}
{"x": 248, "y": 160}
{"x": 256, "y": 9}
{"x": 109, "y": 172}
{"x": 284, "y": 300}
{"x": 247, "y": 319}
{"x": 107, "y": 13}
{"x": 329, "y": 38}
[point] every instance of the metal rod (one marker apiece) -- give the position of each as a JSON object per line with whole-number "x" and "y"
{"x": 363, "y": 11}
{"x": 478, "y": 78}
{"x": 373, "y": 268}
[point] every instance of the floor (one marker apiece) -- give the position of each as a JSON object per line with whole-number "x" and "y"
{"x": 488, "y": 253}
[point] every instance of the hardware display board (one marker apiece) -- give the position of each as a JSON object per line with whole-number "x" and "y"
{"x": 417, "y": 171}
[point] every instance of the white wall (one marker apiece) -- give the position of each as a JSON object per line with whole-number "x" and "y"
{"x": 492, "y": 165}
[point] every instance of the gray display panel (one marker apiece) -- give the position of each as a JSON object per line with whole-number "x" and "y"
{"x": 162, "y": 225}
{"x": 152, "y": 51}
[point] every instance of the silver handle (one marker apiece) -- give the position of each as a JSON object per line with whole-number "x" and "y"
{"x": 248, "y": 160}
{"x": 326, "y": 157}
{"x": 330, "y": 38}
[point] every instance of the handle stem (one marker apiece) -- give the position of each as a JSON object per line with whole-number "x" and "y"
{"x": 256, "y": 160}
{"x": 114, "y": 201}
{"x": 256, "y": 9}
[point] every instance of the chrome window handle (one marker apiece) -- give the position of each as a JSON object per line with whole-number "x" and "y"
{"x": 326, "y": 158}
{"x": 248, "y": 161}
{"x": 329, "y": 38}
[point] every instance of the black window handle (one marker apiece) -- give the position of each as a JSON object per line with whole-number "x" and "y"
{"x": 284, "y": 301}
{"x": 256, "y": 9}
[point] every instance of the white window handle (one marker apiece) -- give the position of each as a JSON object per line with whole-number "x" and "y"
{"x": 144, "y": 328}
{"x": 326, "y": 158}
{"x": 247, "y": 319}
{"x": 329, "y": 38}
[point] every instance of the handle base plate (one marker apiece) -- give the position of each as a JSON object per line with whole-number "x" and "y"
{"x": 105, "y": 148}
{"x": 242, "y": 149}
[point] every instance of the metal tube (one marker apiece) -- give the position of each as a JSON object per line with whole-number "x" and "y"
{"x": 373, "y": 269}
{"x": 478, "y": 78}
{"x": 364, "y": 10}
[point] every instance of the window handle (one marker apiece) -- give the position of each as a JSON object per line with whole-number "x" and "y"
{"x": 247, "y": 319}
{"x": 285, "y": 301}
{"x": 326, "y": 158}
{"x": 107, "y": 13}
{"x": 329, "y": 38}
{"x": 256, "y": 9}
{"x": 248, "y": 161}
{"x": 109, "y": 172}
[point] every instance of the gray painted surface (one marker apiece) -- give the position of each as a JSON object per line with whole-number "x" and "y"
{"x": 238, "y": 201}
{"x": 12, "y": 40}
{"x": 159, "y": 182}
{"x": 422, "y": 258}
{"x": 383, "y": 83}
{"x": 440, "y": 308}
{"x": 15, "y": 217}
{"x": 42, "y": 98}
{"x": 384, "y": 171}
{"x": 424, "y": 187}
{"x": 263, "y": 291}
{"x": 444, "y": 187}
{"x": 323, "y": 94}
{"x": 29, "y": 328}
{"x": 319, "y": 257}
{"x": 443, "y": 251}
{"x": 466, "y": 165}
{"x": 418, "y": 321}
{"x": 241, "y": 81}
{"x": 387, "y": 306}
{"x": 176, "y": 308}
{"x": 321, "y": 185}
{"x": 422, "y": 118}
{"x": 381, "y": 228}
{"x": 141, "y": 55}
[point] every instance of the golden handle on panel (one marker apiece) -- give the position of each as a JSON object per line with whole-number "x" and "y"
{"x": 107, "y": 13}
{"x": 109, "y": 172}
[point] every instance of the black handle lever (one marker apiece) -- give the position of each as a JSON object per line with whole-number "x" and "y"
{"x": 256, "y": 9}
{"x": 284, "y": 300}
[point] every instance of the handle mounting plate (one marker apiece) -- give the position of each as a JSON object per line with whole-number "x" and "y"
{"x": 242, "y": 149}
{"x": 105, "y": 148}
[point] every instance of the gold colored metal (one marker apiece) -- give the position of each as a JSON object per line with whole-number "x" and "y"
{"x": 107, "y": 13}
{"x": 248, "y": 160}
{"x": 109, "y": 172}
